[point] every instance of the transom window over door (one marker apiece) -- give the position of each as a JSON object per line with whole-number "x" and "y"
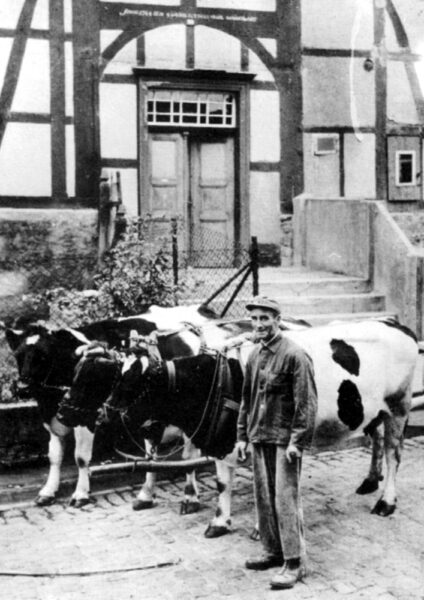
{"x": 190, "y": 108}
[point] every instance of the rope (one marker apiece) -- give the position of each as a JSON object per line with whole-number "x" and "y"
{"x": 158, "y": 565}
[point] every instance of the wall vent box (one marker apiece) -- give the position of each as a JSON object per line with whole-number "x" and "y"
{"x": 326, "y": 144}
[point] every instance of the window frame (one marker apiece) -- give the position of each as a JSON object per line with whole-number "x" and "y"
{"x": 413, "y": 181}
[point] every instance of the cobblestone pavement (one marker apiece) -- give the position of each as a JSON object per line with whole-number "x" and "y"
{"x": 107, "y": 551}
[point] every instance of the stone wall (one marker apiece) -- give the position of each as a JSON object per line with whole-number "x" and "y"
{"x": 42, "y": 249}
{"x": 412, "y": 223}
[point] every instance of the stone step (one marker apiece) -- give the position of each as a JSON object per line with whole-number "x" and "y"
{"x": 335, "y": 303}
{"x": 324, "y": 318}
{"x": 284, "y": 283}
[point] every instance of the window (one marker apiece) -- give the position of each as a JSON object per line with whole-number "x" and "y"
{"x": 184, "y": 108}
{"x": 405, "y": 167}
{"x": 326, "y": 143}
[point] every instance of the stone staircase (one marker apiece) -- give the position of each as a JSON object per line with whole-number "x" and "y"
{"x": 320, "y": 297}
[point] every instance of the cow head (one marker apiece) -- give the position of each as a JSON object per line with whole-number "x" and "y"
{"x": 131, "y": 397}
{"x": 43, "y": 357}
{"x": 94, "y": 378}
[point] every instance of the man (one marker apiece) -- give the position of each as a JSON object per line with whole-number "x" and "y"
{"x": 277, "y": 417}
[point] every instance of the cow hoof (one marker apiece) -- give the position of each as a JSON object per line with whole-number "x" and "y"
{"x": 367, "y": 487}
{"x": 383, "y": 509}
{"x": 45, "y": 500}
{"x": 255, "y": 535}
{"x": 214, "y": 531}
{"x": 188, "y": 508}
{"x": 142, "y": 504}
{"x": 79, "y": 502}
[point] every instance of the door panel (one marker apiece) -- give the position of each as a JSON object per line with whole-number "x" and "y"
{"x": 212, "y": 201}
{"x": 166, "y": 189}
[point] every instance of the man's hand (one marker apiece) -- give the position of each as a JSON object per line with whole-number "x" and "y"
{"x": 292, "y": 453}
{"x": 241, "y": 450}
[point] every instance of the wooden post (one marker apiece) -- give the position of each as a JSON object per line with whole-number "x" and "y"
{"x": 288, "y": 77}
{"x": 174, "y": 227}
{"x": 254, "y": 257}
{"x": 380, "y": 75}
{"x": 86, "y": 48}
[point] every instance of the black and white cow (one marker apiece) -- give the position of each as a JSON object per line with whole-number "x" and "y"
{"x": 46, "y": 362}
{"x": 364, "y": 373}
{"x": 97, "y": 372}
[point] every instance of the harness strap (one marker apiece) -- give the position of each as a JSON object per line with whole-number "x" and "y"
{"x": 231, "y": 404}
{"x": 172, "y": 376}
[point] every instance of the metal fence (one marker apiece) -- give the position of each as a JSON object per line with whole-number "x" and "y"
{"x": 215, "y": 273}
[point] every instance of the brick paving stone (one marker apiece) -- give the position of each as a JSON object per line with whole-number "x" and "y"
{"x": 352, "y": 554}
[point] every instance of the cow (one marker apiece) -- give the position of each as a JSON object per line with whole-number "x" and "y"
{"x": 364, "y": 373}
{"x": 46, "y": 362}
{"x": 97, "y": 371}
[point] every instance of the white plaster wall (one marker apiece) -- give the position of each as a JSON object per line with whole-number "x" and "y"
{"x": 165, "y": 47}
{"x": 265, "y": 207}
{"x": 33, "y": 89}
{"x": 359, "y": 161}
{"x": 118, "y": 120}
{"x": 9, "y": 12}
{"x": 125, "y": 59}
{"x": 70, "y": 160}
{"x": 67, "y": 15}
{"x": 411, "y": 13}
{"x": 257, "y": 66}
{"x": 321, "y": 172}
{"x": 129, "y": 189}
{"x": 332, "y": 97}
{"x": 340, "y": 24}
{"x": 40, "y": 19}
{"x": 270, "y": 44}
{"x": 226, "y": 49}
{"x": 265, "y": 5}
{"x": 5, "y": 47}
{"x": 264, "y": 126}
{"x": 25, "y": 160}
{"x": 164, "y": 2}
{"x": 400, "y": 102}
{"x": 69, "y": 80}
{"x": 390, "y": 37}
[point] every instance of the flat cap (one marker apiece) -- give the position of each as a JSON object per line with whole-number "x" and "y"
{"x": 265, "y": 303}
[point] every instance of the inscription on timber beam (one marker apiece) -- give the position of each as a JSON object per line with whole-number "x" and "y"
{"x": 169, "y": 14}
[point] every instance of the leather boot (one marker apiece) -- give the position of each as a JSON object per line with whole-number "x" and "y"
{"x": 288, "y": 577}
{"x": 264, "y": 561}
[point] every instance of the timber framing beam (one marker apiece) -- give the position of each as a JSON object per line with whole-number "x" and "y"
{"x": 57, "y": 99}
{"x": 15, "y": 63}
{"x": 85, "y": 26}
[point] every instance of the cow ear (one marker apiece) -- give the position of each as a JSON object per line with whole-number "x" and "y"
{"x": 14, "y": 338}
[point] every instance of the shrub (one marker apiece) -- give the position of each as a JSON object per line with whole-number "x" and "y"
{"x": 134, "y": 274}
{"x": 137, "y": 272}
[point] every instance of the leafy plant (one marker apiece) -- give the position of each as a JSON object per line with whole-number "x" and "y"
{"x": 137, "y": 272}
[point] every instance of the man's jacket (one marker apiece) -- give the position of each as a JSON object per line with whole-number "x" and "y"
{"x": 279, "y": 400}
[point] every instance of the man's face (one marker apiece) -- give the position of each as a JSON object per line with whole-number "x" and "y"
{"x": 265, "y": 323}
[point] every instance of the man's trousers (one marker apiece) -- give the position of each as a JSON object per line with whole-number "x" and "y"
{"x": 278, "y": 501}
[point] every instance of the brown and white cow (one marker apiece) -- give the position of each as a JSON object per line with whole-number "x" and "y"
{"x": 364, "y": 373}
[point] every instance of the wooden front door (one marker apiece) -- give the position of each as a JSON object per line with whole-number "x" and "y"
{"x": 191, "y": 177}
{"x": 211, "y": 201}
